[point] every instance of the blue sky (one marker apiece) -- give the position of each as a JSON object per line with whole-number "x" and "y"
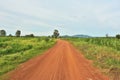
{"x": 70, "y": 17}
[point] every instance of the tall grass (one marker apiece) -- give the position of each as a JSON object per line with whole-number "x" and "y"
{"x": 14, "y": 51}
{"x": 109, "y": 42}
{"x": 104, "y": 52}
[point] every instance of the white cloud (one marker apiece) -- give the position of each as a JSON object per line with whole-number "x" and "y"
{"x": 52, "y": 13}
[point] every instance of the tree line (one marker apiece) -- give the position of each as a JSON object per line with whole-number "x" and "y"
{"x": 3, "y": 33}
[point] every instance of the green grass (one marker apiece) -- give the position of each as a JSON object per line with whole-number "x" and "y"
{"x": 109, "y": 42}
{"x": 14, "y": 51}
{"x": 104, "y": 52}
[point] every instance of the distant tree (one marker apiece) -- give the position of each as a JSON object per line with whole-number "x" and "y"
{"x": 118, "y": 36}
{"x": 30, "y": 35}
{"x": 52, "y": 36}
{"x": 2, "y": 33}
{"x": 18, "y": 33}
{"x": 55, "y": 34}
{"x": 10, "y": 35}
{"x": 49, "y": 36}
{"x": 107, "y": 35}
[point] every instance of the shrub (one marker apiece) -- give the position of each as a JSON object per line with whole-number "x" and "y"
{"x": 118, "y": 36}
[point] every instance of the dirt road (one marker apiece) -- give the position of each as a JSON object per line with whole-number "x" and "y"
{"x": 62, "y": 62}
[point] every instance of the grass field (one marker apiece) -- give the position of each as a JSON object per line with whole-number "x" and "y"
{"x": 14, "y": 51}
{"x": 104, "y": 52}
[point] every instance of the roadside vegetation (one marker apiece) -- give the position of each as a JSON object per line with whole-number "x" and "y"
{"x": 104, "y": 52}
{"x": 16, "y": 50}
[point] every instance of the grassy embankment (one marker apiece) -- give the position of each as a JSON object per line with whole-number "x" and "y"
{"x": 14, "y": 51}
{"x": 104, "y": 52}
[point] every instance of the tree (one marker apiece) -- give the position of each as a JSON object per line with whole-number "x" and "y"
{"x": 18, "y": 33}
{"x": 56, "y": 33}
{"x": 10, "y": 35}
{"x": 30, "y": 35}
{"x": 118, "y": 36}
{"x": 2, "y": 33}
{"x": 107, "y": 35}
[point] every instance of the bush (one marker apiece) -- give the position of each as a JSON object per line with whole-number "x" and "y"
{"x": 46, "y": 39}
{"x": 118, "y": 36}
{"x": 30, "y": 35}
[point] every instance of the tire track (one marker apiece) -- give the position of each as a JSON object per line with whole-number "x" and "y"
{"x": 62, "y": 62}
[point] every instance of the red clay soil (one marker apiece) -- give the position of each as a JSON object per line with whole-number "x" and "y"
{"x": 62, "y": 62}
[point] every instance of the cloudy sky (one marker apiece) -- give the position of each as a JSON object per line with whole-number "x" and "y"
{"x": 70, "y": 17}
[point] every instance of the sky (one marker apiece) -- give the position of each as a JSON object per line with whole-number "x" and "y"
{"x": 70, "y": 17}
